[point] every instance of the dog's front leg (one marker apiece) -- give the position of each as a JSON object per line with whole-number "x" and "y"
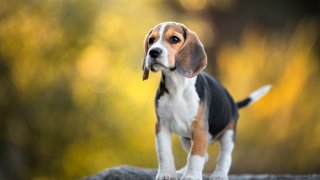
{"x": 166, "y": 170}
{"x": 198, "y": 151}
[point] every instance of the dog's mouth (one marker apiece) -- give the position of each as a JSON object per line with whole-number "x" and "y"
{"x": 155, "y": 67}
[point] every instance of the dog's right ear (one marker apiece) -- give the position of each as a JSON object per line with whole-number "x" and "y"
{"x": 145, "y": 70}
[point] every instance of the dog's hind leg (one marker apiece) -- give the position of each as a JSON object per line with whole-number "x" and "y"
{"x": 224, "y": 160}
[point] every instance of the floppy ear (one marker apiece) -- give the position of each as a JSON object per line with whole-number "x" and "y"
{"x": 145, "y": 70}
{"x": 191, "y": 59}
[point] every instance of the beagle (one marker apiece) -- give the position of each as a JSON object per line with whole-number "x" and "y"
{"x": 190, "y": 103}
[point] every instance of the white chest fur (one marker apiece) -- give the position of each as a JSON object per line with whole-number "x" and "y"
{"x": 178, "y": 109}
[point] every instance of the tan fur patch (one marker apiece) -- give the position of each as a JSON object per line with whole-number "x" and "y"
{"x": 199, "y": 139}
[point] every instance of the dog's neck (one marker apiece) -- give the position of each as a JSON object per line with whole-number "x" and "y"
{"x": 176, "y": 83}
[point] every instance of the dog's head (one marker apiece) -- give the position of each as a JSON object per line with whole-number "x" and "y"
{"x": 172, "y": 46}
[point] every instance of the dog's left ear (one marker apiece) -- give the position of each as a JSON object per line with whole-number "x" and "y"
{"x": 191, "y": 59}
{"x": 145, "y": 70}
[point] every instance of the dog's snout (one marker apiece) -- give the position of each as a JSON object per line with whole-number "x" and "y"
{"x": 156, "y": 52}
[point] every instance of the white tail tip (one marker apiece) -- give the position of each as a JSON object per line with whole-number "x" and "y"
{"x": 256, "y": 95}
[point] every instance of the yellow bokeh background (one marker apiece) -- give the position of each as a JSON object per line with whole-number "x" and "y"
{"x": 73, "y": 101}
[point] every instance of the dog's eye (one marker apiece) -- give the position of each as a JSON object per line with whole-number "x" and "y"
{"x": 174, "y": 40}
{"x": 151, "y": 40}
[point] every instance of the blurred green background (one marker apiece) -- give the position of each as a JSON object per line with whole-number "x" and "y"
{"x": 72, "y": 100}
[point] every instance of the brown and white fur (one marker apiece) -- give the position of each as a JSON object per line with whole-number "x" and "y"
{"x": 189, "y": 103}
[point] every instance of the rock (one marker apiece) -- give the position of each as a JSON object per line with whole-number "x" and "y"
{"x": 134, "y": 173}
{"x": 124, "y": 173}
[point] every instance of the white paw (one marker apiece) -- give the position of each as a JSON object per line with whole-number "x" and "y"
{"x": 219, "y": 176}
{"x": 168, "y": 176}
{"x": 191, "y": 177}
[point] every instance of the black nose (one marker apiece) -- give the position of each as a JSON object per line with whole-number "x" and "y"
{"x": 154, "y": 53}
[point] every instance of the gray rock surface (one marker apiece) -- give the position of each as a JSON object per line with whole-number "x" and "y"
{"x": 134, "y": 173}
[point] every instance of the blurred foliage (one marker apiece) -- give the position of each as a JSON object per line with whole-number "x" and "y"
{"x": 72, "y": 101}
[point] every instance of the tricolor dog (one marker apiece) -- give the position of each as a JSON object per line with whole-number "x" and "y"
{"x": 190, "y": 103}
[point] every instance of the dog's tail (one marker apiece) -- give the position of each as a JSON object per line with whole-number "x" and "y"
{"x": 253, "y": 97}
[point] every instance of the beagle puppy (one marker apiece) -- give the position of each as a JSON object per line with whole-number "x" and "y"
{"x": 190, "y": 103}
